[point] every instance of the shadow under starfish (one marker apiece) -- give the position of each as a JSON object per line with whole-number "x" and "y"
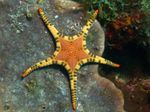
{"x": 71, "y": 53}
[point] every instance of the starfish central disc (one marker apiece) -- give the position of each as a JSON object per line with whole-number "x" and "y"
{"x": 71, "y": 52}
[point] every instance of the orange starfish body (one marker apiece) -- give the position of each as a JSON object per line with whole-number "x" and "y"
{"x": 71, "y": 52}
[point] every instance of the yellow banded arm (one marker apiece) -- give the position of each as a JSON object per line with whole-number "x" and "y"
{"x": 97, "y": 59}
{"x": 88, "y": 24}
{"x": 101, "y": 60}
{"x": 73, "y": 88}
{"x": 40, "y": 64}
{"x": 51, "y": 27}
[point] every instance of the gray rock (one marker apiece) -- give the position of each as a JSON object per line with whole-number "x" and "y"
{"x": 25, "y": 41}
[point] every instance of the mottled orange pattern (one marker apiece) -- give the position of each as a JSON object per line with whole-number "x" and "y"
{"x": 71, "y": 52}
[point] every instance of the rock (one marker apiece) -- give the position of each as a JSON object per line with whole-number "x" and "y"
{"x": 66, "y": 5}
{"x": 145, "y": 85}
{"x": 25, "y": 42}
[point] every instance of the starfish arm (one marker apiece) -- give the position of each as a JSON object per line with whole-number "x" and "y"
{"x": 101, "y": 60}
{"x": 40, "y": 64}
{"x": 73, "y": 88}
{"x": 87, "y": 26}
{"x": 51, "y": 27}
{"x": 73, "y": 82}
{"x": 96, "y": 59}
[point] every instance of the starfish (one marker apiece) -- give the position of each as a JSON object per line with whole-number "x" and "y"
{"x": 71, "y": 53}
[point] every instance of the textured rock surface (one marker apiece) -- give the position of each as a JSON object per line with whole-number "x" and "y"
{"x": 24, "y": 40}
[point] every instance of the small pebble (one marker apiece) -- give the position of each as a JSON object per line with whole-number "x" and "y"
{"x": 56, "y": 17}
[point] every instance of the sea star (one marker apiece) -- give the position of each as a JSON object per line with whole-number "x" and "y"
{"x": 71, "y": 52}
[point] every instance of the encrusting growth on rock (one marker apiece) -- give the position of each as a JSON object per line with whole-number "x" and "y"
{"x": 71, "y": 53}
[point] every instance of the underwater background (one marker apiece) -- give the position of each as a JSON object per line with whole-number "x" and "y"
{"x": 121, "y": 33}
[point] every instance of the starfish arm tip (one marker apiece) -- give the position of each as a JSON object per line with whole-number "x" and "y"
{"x": 117, "y": 65}
{"x": 39, "y": 9}
{"x": 74, "y": 107}
{"x": 97, "y": 11}
{"x": 23, "y": 75}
